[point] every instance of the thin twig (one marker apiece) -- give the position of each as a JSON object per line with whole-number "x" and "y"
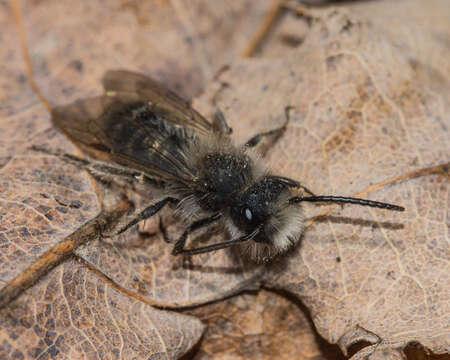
{"x": 263, "y": 29}
{"x": 17, "y": 13}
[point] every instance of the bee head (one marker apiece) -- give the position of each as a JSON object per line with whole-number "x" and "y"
{"x": 265, "y": 205}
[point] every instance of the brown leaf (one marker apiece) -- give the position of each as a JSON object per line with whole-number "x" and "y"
{"x": 180, "y": 43}
{"x": 72, "y": 313}
{"x": 371, "y": 105}
{"x": 262, "y": 326}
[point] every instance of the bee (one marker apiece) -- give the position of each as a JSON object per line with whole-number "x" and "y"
{"x": 141, "y": 130}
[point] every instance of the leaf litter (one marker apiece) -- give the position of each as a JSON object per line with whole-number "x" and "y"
{"x": 367, "y": 112}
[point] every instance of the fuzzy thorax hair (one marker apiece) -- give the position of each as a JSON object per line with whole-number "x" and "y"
{"x": 284, "y": 222}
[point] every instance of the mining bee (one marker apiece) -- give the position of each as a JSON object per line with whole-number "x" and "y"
{"x": 143, "y": 131}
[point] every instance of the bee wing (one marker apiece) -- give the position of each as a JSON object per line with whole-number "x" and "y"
{"x": 138, "y": 124}
{"x": 181, "y": 111}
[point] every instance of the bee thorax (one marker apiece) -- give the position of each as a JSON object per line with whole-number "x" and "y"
{"x": 223, "y": 175}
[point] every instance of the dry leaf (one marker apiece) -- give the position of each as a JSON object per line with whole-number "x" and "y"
{"x": 73, "y": 314}
{"x": 371, "y": 104}
{"x": 261, "y": 326}
{"x": 180, "y": 43}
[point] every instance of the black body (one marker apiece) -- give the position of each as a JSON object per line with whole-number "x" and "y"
{"x": 223, "y": 177}
{"x": 144, "y": 131}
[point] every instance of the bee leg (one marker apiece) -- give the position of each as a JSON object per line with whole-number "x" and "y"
{"x": 220, "y": 123}
{"x": 305, "y": 189}
{"x": 145, "y": 214}
{"x": 178, "y": 248}
{"x": 99, "y": 169}
{"x": 253, "y": 141}
{"x": 218, "y": 246}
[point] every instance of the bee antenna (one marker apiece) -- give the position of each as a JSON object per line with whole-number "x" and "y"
{"x": 346, "y": 200}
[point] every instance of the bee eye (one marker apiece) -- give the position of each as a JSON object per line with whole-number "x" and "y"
{"x": 248, "y": 214}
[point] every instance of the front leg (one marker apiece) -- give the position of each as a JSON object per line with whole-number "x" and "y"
{"x": 179, "y": 245}
{"x": 218, "y": 246}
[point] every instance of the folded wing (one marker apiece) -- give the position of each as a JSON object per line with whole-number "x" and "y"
{"x": 138, "y": 124}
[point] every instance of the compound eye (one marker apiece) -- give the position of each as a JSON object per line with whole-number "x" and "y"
{"x": 248, "y": 214}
